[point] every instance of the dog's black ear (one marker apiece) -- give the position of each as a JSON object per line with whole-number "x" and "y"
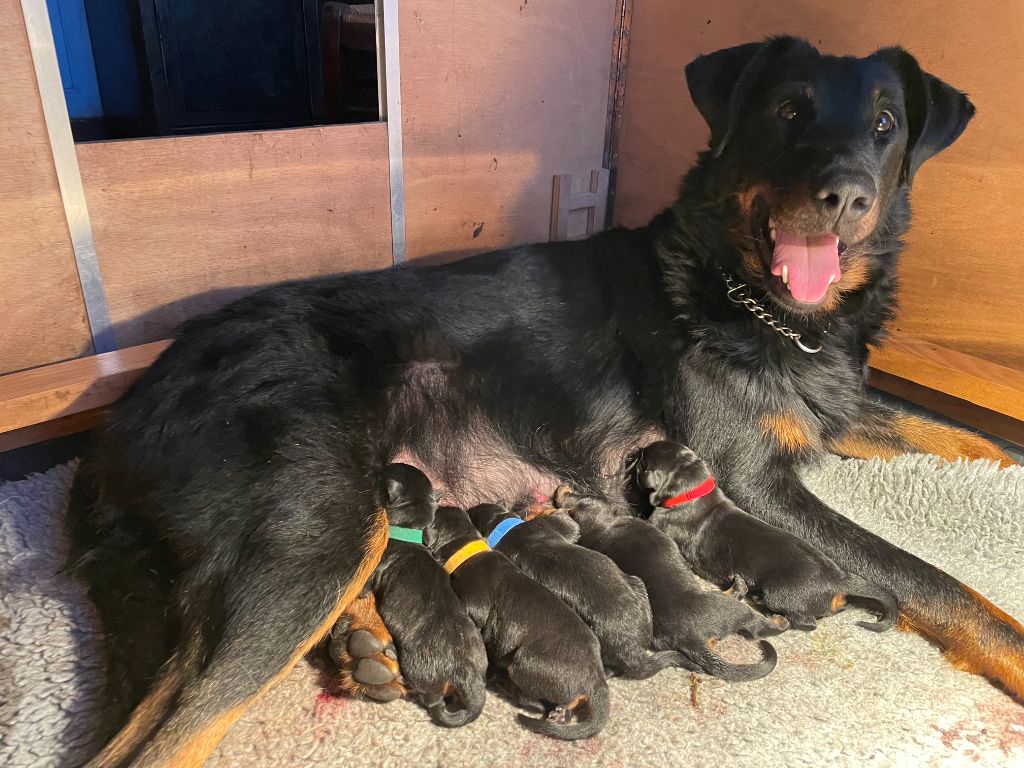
{"x": 720, "y": 82}
{"x": 937, "y": 113}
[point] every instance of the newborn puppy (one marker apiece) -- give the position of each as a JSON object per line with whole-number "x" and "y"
{"x": 442, "y": 655}
{"x": 613, "y": 604}
{"x": 726, "y": 545}
{"x": 687, "y": 617}
{"x": 551, "y": 657}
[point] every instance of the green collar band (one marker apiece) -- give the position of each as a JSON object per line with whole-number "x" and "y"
{"x": 411, "y": 535}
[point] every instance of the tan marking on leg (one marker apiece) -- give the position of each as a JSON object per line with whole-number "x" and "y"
{"x": 838, "y": 603}
{"x": 946, "y": 442}
{"x": 973, "y": 642}
{"x": 788, "y": 430}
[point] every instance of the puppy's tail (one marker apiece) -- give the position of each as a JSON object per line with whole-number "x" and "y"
{"x": 649, "y": 665}
{"x": 471, "y": 698}
{"x": 862, "y": 592}
{"x": 592, "y": 712}
{"x": 715, "y": 665}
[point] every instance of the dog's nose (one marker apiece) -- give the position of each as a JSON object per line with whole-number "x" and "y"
{"x": 847, "y": 198}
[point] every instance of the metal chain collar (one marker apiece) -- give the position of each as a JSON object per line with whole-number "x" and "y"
{"x": 739, "y": 293}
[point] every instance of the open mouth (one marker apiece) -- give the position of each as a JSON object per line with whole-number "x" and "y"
{"x": 804, "y": 264}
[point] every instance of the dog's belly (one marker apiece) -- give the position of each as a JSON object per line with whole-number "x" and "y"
{"x": 484, "y": 469}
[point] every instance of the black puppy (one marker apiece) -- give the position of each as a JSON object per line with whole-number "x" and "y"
{"x": 440, "y": 649}
{"x": 724, "y": 544}
{"x": 687, "y": 617}
{"x": 612, "y": 603}
{"x": 551, "y": 657}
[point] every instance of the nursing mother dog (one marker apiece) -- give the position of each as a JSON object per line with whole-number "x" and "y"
{"x": 225, "y": 520}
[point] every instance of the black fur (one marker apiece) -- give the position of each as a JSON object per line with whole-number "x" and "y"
{"x": 687, "y": 617}
{"x": 614, "y": 605}
{"x": 442, "y": 655}
{"x": 229, "y": 501}
{"x": 551, "y": 657}
{"x": 724, "y": 544}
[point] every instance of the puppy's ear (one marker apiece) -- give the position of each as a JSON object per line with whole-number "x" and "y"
{"x": 721, "y": 82}
{"x": 393, "y": 491}
{"x": 937, "y": 113}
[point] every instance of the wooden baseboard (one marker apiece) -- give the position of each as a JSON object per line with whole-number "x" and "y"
{"x": 987, "y": 385}
{"x": 52, "y": 392}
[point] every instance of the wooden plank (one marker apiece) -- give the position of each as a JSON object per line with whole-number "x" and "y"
{"x": 49, "y": 430}
{"x": 954, "y": 408}
{"x": 497, "y": 98}
{"x": 962, "y": 280}
{"x": 977, "y": 381}
{"x": 62, "y": 389}
{"x": 42, "y": 316}
{"x": 185, "y": 224}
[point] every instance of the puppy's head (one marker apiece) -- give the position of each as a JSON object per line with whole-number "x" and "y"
{"x": 667, "y": 468}
{"x": 485, "y": 516}
{"x": 817, "y": 152}
{"x": 407, "y": 495}
{"x": 450, "y": 524}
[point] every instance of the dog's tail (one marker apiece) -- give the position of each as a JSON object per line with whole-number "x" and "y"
{"x": 592, "y": 712}
{"x": 713, "y": 664}
{"x": 469, "y": 701}
{"x": 861, "y": 592}
{"x": 651, "y": 664}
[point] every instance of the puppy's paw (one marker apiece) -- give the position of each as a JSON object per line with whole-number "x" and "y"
{"x": 362, "y": 648}
{"x": 738, "y": 588}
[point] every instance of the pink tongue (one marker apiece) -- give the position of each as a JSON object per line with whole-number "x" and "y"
{"x": 812, "y": 263}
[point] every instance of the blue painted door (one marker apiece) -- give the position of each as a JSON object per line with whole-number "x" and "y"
{"x": 74, "y": 56}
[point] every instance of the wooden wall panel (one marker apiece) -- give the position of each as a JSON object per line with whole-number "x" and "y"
{"x": 185, "y": 224}
{"x": 962, "y": 274}
{"x": 42, "y": 317}
{"x": 497, "y": 98}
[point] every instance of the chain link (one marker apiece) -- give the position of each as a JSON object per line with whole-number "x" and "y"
{"x": 739, "y": 293}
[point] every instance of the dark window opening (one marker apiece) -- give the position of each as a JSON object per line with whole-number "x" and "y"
{"x": 134, "y": 68}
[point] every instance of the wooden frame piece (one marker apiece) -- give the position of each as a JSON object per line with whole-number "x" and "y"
{"x": 984, "y": 383}
{"x": 564, "y": 202}
{"x": 60, "y": 390}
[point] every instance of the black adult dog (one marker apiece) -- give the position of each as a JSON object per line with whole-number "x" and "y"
{"x": 226, "y": 519}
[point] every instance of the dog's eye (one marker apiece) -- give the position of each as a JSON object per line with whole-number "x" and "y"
{"x": 884, "y": 122}
{"x": 787, "y": 111}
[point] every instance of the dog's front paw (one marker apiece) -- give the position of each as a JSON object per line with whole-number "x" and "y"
{"x": 362, "y": 648}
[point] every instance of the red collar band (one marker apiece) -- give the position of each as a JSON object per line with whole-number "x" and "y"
{"x": 694, "y": 493}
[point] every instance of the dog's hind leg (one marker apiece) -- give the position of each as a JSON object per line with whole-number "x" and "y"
{"x": 269, "y": 612}
{"x": 363, "y": 648}
{"x": 883, "y": 432}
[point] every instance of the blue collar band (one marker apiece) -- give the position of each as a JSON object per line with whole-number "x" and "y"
{"x": 501, "y": 529}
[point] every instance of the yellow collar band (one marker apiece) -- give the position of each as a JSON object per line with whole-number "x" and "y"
{"x": 464, "y": 553}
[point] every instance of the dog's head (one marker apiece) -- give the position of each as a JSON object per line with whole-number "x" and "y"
{"x": 450, "y": 524}
{"x": 667, "y": 468}
{"x": 486, "y": 516}
{"x": 818, "y": 152}
{"x": 408, "y": 497}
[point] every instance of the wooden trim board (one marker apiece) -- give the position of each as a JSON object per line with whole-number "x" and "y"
{"x": 953, "y": 408}
{"x": 953, "y": 373}
{"x": 63, "y": 389}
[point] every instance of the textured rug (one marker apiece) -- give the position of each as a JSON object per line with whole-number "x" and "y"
{"x": 840, "y": 695}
